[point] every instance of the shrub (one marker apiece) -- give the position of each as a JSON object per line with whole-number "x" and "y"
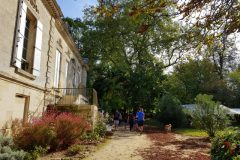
{"x": 36, "y": 153}
{"x": 209, "y": 115}
{"x": 8, "y": 151}
{"x": 52, "y": 130}
{"x": 39, "y": 133}
{"x": 226, "y": 144}
{"x": 170, "y": 111}
{"x": 91, "y": 136}
{"x": 69, "y": 128}
{"x": 99, "y": 130}
{"x": 74, "y": 149}
{"x": 16, "y": 126}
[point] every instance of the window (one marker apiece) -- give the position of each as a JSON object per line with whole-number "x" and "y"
{"x": 84, "y": 77}
{"x": 78, "y": 76}
{"x": 66, "y": 77}
{"x": 72, "y": 73}
{"x": 66, "y": 74}
{"x": 57, "y": 69}
{"x": 28, "y": 41}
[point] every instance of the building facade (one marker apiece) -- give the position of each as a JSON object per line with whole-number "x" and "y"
{"x": 38, "y": 58}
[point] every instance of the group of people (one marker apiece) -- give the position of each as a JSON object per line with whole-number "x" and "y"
{"x": 135, "y": 121}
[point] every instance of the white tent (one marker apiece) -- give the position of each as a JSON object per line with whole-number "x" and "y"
{"x": 232, "y": 111}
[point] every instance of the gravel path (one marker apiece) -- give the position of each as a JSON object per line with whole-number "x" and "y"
{"x": 124, "y": 145}
{"x": 152, "y": 145}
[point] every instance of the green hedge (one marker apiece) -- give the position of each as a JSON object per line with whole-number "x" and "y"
{"x": 226, "y": 145}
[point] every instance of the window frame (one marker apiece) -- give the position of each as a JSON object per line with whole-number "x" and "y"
{"x": 28, "y": 52}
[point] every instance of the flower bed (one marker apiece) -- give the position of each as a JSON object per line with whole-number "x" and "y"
{"x": 53, "y": 131}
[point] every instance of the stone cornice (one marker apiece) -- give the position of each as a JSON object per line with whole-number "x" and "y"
{"x": 53, "y": 8}
{"x": 56, "y": 12}
{"x": 66, "y": 35}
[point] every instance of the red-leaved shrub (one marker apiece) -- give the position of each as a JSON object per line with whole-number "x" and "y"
{"x": 69, "y": 128}
{"x": 52, "y": 130}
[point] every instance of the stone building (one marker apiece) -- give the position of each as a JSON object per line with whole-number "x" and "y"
{"x": 39, "y": 59}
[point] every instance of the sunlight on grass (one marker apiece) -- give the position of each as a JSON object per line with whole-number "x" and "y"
{"x": 191, "y": 132}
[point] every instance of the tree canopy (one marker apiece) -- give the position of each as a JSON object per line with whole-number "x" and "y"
{"x": 130, "y": 43}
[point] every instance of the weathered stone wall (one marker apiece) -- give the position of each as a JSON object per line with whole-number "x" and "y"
{"x": 14, "y": 88}
{"x": 12, "y": 101}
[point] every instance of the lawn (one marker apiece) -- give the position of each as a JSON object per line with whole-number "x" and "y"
{"x": 191, "y": 132}
{"x": 185, "y": 131}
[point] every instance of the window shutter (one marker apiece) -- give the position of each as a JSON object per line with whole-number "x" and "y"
{"x": 66, "y": 75}
{"x": 69, "y": 77}
{"x": 57, "y": 69}
{"x": 20, "y": 34}
{"x": 37, "y": 51}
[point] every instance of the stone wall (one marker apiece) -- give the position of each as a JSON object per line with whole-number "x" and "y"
{"x": 13, "y": 99}
{"x": 22, "y": 96}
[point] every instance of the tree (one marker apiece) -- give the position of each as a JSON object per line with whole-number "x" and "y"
{"x": 234, "y": 87}
{"x": 212, "y": 25}
{"x": 130, "y": 42}
{"x": 174, "y": 86}
{"x": 192, "y": 78}
{"x": 123, "y": 41}
{"x": 209, "y": 115}
{"x": 224, "y": 55}
{"x": 75, "y": 27}
{"x": 170, "y": 111}
{"x": 235, "y": 76}
{"x": 215, "y": 17}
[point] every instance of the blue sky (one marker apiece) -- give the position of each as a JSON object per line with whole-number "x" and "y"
{"x": 74, "y": 8}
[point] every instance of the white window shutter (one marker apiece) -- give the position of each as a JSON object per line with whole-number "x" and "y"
{"x": 37, "y": 50}
{"x": 20, "y": 34}
{"x": 57, "y": 69}
{"x": 66, "y": 74}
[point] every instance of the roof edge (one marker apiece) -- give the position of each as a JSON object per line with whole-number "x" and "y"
{"x": 53, "y": 8}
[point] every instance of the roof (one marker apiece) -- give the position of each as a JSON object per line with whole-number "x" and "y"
{"x": 53, "y": 8}
{"x": 236, "y": 110}
{"x": 232, "y": 111}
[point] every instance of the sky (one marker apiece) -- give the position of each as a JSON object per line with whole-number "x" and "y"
{"x": 74, "y": 8}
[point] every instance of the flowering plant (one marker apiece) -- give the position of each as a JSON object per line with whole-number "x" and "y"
{"x": 55, "y": 130}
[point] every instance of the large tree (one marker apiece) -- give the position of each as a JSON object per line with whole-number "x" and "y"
{"x": 129, "y": 43}
{"x": 192, "y": 78}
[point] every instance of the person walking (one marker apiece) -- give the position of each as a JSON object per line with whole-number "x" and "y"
{"x": 116, "y": 119}
{"x": 140, "y": 120}
{"x": 120, "y": 118}
{"x": 131, "y": 121}
{"x": 125, "y": 119}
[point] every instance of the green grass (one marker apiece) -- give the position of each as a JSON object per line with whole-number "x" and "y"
{"x": 191, "y": 132}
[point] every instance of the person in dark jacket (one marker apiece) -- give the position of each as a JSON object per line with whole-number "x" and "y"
{"x": 131, "y": 121}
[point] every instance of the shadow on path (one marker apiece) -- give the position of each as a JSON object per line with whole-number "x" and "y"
{"x": 171, "y": 146}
